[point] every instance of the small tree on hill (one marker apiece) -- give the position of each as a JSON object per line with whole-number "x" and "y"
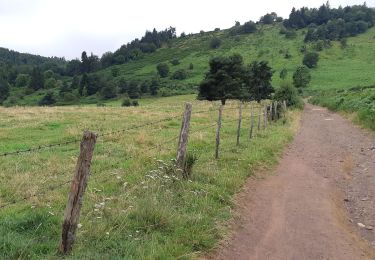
{"x": 163, "y": 70}
{"x": 301, "y": 78}
{"x": 215, "y": 43}
{"x": 289, "y": 93}
{"x": 223, "y": 80}
{"x": 311, "y": 59}
{"x": 258, "y": 81}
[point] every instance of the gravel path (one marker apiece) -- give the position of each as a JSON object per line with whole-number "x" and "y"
{"x": 318, "y": 204}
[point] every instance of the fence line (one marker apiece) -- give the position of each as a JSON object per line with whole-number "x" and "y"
{"x": 79, "y": 182}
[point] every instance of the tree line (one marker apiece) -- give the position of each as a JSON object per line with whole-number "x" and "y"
{"x": 331, "y": 23}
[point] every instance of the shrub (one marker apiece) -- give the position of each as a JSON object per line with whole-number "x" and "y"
{"x": 290, "y": 34}
{"x": 190, "y": 160}
{"x": 301, "y": 78}
{"x": 215, "y": 43}
{"x": 163, "y": 70}
{"x": 180, "y": 74}
{"x": 311, "y": 59}
{"x": 126, "y": 102}
{"x": 288, "y": 93}
{"x": 47, "y": 100}
{"x": 191, "y": 66}
{"x": 175, "y": 62}
{"x": 135, "y": 103}
{"x": 283, "y": 73}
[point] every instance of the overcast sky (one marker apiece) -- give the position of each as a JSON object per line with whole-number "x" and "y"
{"x": 67, "y": 27}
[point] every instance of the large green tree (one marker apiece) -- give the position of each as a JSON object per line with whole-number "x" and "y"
{"x": 223, "y": 80}
{"x": 258, "y": 81}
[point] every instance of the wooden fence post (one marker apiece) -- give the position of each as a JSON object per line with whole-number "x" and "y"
{"x": 271, "y": 113}
{"x": 275, "y": 106}
{"x": 239, "y": 123}
{"x": 184, "y": 135}
{"x": 284, "y": 103}
{"x": 251, "y": 121}
{"x": 265, "y": 117}
{"x": 218, "y": 132}
{"x": 259, "y": 117}
{"x": 77, "y": 190}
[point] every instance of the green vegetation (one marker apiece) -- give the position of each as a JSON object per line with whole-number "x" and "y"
{"x": 136, "y": 206}
{"x": 359, "y": 101}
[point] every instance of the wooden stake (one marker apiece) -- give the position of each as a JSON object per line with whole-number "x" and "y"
{"x": 77, "y": 190}
{"x": 271, "y": 113}
{"x": 239, "y": 124}
{"x": 218, "y": 132}
{"x": 251, "y": 121}
{"x": 259, "y": 117}
{"x": 265, "y": 117}
{"x": 184, "y": 135}
{"x": 275, "y": 106}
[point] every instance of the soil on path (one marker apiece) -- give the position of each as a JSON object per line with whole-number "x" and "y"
{"x": 311, "y": 206}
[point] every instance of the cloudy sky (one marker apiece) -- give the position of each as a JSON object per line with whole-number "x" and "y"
{"x": 67, "y": 27}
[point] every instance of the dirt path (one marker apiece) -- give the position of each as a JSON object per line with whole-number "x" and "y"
{"x": 309, "y": 208}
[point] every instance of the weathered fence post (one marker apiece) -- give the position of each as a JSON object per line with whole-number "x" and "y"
{"x": 239, "y": 123}
{"x": 284, "y": 103}
{"x": 275, "y": 106}
{"x": 77, "y": 190}
{"x": 218, "y": 132}
{"x": 184, "y": 135}
{"x": 271, "y": 113}
{"x": 251, "y": 121}
{"x": 259, "y": 117}
{"x": 265, "y": 117}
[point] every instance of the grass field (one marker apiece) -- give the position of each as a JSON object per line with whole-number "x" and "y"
{"x": 133, "y": 208}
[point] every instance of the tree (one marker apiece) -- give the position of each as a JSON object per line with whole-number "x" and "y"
{"x": 288, "y": 93}
{"x": 175, "y": 62}
{"x": 191, "y": 66}
{"x": 311, "y": 59}
{"x": 223, "y": 80}
{"x": 123, "y": 86}
{"x": 4, "y": 90}
{"x": 268, "y": 18}
{"x": 47, "y": 100}
{"x": 258, "y": 81}
{"x": 64, "y": 89}
{"x": 22, "y": 80}
{"x": 83, "y": 85}
{"x": 154, "y": 87}
{"x": 163, "y": 69}
{"x": 108, "y": 91}
{"x": 249, "y": 27}
{"x": 283, "y": 73}
{"x": 37, "y": 80}
{"x": 75, "y": 82}
{"x": 180, "y": 74}
{"x": 134, "y": 90}
{"x": 215, "y": 43}
{"x": 301, "y": 78}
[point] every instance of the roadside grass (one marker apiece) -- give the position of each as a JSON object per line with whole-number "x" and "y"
{"x": 134, "y": 207}
{"x": 359, "y": 102}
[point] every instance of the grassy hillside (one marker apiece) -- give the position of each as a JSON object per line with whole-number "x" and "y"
{"x": 338, "y": 67}
{"x": 132, "y": 209}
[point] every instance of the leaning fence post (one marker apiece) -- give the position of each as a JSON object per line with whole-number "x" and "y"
{"x": 251, "y": 121}
{"x": 77, "y": 190}
{"x": 239, "y": 123}
{"x": 184, "y": 135}
{"x": 218, "y": 132}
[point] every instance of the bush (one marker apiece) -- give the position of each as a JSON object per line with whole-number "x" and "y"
{"x": 47, "y": 100}
{"x": 180, "y": 74}
{"x": 301, "y": 78}
{"x": 288, "y": 93}
{"x": 290, "y": 34}
{"x": 135, "y": 103}
{"x": 175, "y": 62}
{"x": 191, "y": 66}
{"x": 283, "y": 73}
{"x": 163, "y": 70}
{"x": 215, "y": 43}
{"x": 311, "y": 59}
{"x": 126, "y": 102}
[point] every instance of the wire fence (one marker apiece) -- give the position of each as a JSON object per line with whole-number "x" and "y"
{"x": 255, "y": 118}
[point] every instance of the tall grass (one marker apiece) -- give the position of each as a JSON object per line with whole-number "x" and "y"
{"x": 134, "y": 207}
